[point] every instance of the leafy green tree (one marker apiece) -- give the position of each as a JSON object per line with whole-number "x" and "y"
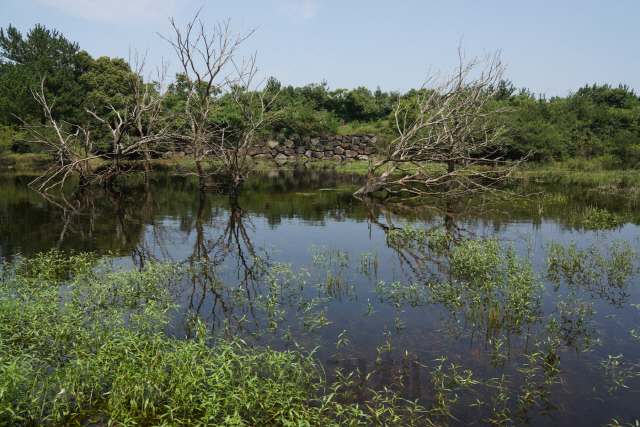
{"x": 15, "y": 94}
{"x": 620, "y": 97}
{"x": 42, "y": 55}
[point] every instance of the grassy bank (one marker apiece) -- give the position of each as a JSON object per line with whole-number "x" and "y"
{"x": 590, "y": 173}
{"x": 25, "y": 162}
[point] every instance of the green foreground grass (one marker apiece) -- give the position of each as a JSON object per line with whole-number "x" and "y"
{"x": 84, "y": 343}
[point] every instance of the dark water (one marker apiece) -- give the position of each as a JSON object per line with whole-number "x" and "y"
{"x": 339, "y": 253}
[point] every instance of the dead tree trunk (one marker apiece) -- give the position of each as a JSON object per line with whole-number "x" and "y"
{"x": 450, "y": 136}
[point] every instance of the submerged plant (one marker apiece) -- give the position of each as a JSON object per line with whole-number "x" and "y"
{"x": 601, "y": 269}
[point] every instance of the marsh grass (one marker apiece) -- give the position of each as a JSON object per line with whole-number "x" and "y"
{"x": 602, "y": 269}
{"x": 30, "y": 161}
{"x": 483, "y": 281}
{"x": 84, "y": 343}
{"x": 490, "y": 294}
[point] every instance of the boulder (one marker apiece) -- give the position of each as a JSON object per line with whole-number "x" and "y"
{"x": 300, "y": 149}
{"x": 263, "y": 156}
{"x": 289, "y": 151}
{"x": 338, "y": 150}
{"x": 308, "y": 153}
{"x": 253, "y": 151}
{"x": 274, "y": 153}
{"x": 329, "y": 145}
{"x": 355, "y": 147}
{"x": 355, "y": 140}
{"x": 280, "y": 148}
{"x": 362, "y": 157}
{"x": 288, "y": 143}
{"x": 368, "y": 150}
{"x": 188, "y": 150}
{"x": 336, "y": 158}
{"x": 281, "y": 157}
{"x": 362, "y": 146}
{"x": 351, "y": 153}
{"x": 318, "y": 154}
{"x": 272, "y": 144}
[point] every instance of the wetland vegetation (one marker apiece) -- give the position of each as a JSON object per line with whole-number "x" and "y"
{"x": 302, "y": 304}
{"x": 461, "y": 287}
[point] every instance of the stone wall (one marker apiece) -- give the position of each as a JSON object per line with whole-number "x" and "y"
{"x": 323, "y": 147}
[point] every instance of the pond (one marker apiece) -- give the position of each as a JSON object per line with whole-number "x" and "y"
{"x": 520, "y": 310}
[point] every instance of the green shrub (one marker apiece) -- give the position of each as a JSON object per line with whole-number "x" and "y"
{"x": 304, "y": 121}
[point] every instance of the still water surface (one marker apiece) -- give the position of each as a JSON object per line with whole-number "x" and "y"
{"x": 301, "y": 262}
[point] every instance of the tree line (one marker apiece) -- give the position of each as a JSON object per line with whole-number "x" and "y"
{"x": 55, "y": 97}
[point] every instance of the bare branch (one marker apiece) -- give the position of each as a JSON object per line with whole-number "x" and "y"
{"x": 450, "y": 135}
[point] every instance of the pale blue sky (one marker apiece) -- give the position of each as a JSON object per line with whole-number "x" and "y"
{"x": 551, "y": 47}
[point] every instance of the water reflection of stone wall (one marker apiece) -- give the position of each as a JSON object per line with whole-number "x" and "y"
{"x": 302, "y": 175}
{"x": 323, "y": 147}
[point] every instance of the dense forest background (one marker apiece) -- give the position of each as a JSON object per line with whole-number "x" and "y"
{"x": 596, "y": 121}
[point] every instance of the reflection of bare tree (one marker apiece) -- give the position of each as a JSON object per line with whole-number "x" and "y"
{"x": 232, "y": 252}
{"x": 417, "y": 261}
{"x": 71, "y": 207}
{"x": 119, "y": 225}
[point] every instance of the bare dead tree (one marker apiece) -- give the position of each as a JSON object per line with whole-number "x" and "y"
{"x": 254, "y": 107}
{"x": 449, "y": 136}
{"x": 206, "y": 60}
{"x": 70, "y": 145}
{"x": 134, "y": 120}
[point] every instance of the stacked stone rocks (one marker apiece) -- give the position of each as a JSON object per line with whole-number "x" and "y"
{"x": 323, "y": 147}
